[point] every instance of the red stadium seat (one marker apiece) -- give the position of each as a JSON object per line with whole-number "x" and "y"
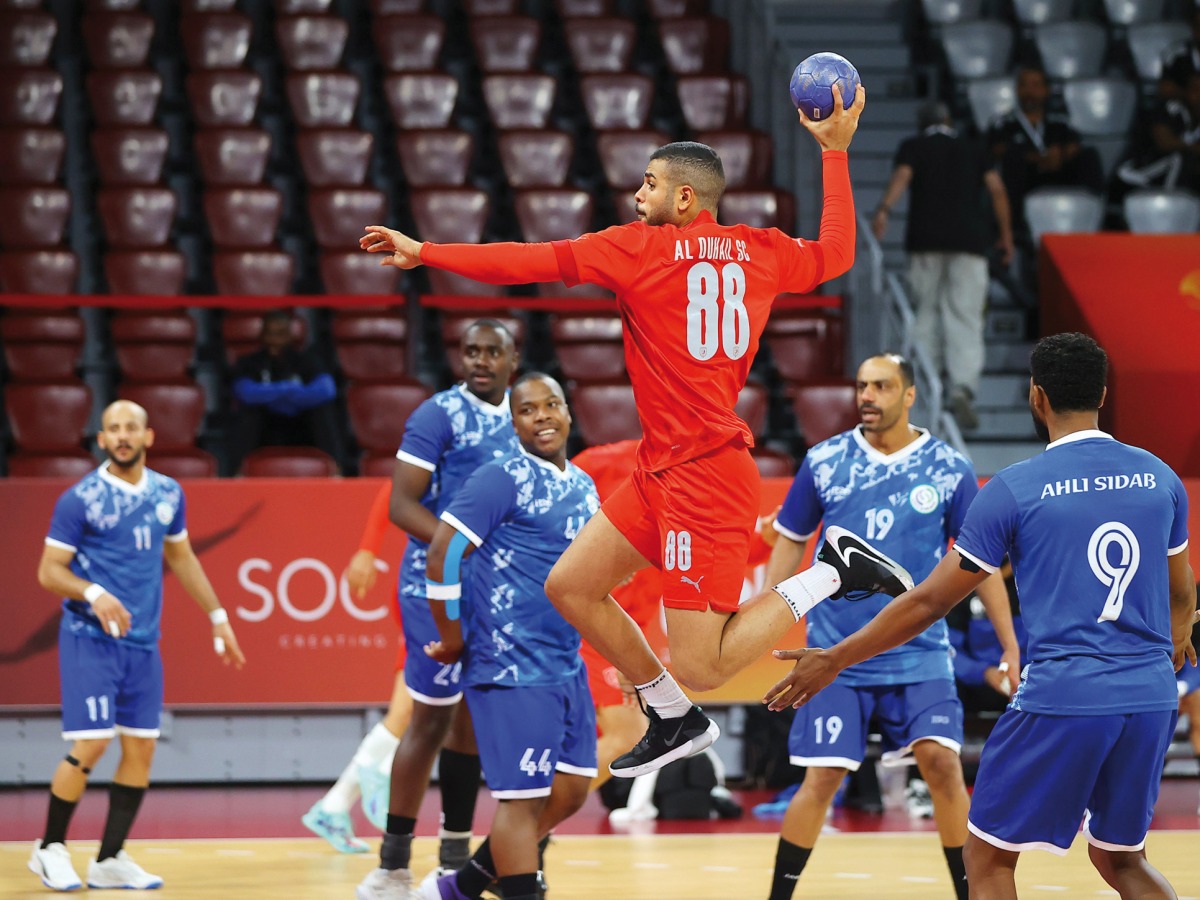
{"x": 243, "y": 217}
{"x": 568, "y": 9}
{"x": 825, "y": 408}
{"x": 339, "y": 214}
{"x": 450, "y": 215}
{"x": 71, "y": 468}
{"x": 147, "y": 272}
{"x": 745, "y": 155}
{"x": 41, "y": 347}
{"x": 355, "y": 272}
{"x": 302, "y": 7}
{"x": 506, "y": 43}
{"x": 216, "y": 40}
{"x": 233, "y": 156}
{"x": 378, "y": 412}
{"x": 136, "y": 218}
{"x": 33, "y": 217}
{"x": 694, "y": 44}
{"x": 773, "y": 463}
{"x": 673, "y": 9}
{"x": 435, "y": 157}
{"x": 334, "y": 156}
{"x": 601, "y": 45}
{"x": 805, "y": 346}
{"x": 31, "y": 155}
{"x": 322, "y": 99}
{"x": 624, "y": 155}
{"x": 203, "y": 6}
{"x": 455, "y": 325}
{"x": 605, "y": 413}
{"x": 175, "y": 412}
{"x": 29, "y": 96}
{"x": 751, "y": 406}
{"x": 540, "y": 158}
{"x": 519, "y": 100}
{"x": 218, "y": 99}
{"x": 26, "y": 37}
{"x": 711, "y": 102}
{"x": 177, "y": 464}
{"x": 617, "y": 101}
{"x": 47, "y": 418}
{"x": 553, "y": 214}
{"x": 289, "y": 462}
{"x": 409, "y": 43}
{"x": 253, "y": 272}
{"x": 421, "y": 99}
{"x": 761, "y": 208}
{"x": 396, "y": 7}
{"x": 626, "y": 206}
{"x": 117, "y": 40}
{"x": 129, "y": 156}
{"x": 372, "y": 348}
{"x": 589, "y": 347}
{"x": 39, "y": 272}
{"x": 377, "y": 464}
{"x": 491, "y": 7}
{"x": 124, "y": 98}
{"x": 240, "y": 333}
{"x": 153, "y": 346}
{"x": 311, "y": 43}
{"x": 113, "y": 5}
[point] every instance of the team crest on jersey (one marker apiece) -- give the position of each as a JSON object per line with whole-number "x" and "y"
{"x": 165, "y": 512}
{"x": 923, "y": 498}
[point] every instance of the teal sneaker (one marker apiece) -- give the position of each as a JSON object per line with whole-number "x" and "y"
{"x": 376, "y": 789}
{"x": 335, "y": 828}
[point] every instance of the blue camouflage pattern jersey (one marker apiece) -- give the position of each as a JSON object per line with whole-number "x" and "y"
{"x": 450, "y": 435}
{"x": 521, "y": 513}
{"x": 909, "y": 504}
{"x": 117, "y": 530}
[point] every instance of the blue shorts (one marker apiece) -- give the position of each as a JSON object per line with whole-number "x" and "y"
{"x": 557, "y": 733}
{"x": 428, "y": 681}
{"x": 830, "y": 730}
{"x": 1188, "y": 679}
{"x": 108, "y": 685}
{"x": 1041, "y": 775}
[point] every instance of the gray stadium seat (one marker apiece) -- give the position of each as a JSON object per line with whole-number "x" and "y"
{"x": 1071, "y": 49}
{"x": 1147, "y": 43}
{"x": 991, "y": 98}
{"x": 1162, "y": 212}
{"x": 977, "y": 49}
{"x": 1131, "y": 12}
{"x": 1038, "y": 12}
{"x": 1059, "y": 210}
{"x": 944, "y": 12}
{"x": 1100, "y": 106}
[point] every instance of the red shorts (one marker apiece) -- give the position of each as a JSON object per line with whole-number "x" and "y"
{"x": 602, "y": 678}
{"x": 694, "y": 522}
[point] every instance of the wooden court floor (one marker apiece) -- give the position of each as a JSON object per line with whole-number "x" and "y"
{"x": 628, "y": 867}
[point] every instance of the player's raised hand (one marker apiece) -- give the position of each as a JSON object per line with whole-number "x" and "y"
{"x": 406, "y": 252}
{"x": 835, "y": 132}
{"x": 812, "y": 672}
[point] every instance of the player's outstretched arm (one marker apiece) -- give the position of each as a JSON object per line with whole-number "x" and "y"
{"x": 405, "y": 252}
{"x": 506, "y": 262}
{"x": 835, "y": 132}
{"x": 186, "y": 565}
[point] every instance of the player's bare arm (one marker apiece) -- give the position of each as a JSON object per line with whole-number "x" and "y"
{"x": 405, "y": 251}
{"x": 409, "y": 484}
{"x": 786, "y": 556}
{"x": 994, "y": 597}
{"x": 1183, "y": 607}
{"x": 185, "y": 564}
{"x": 449, "y": 649}
{"x": 898, "y": 622}
{"x": 55, "y": 575}
{"x": 835, "y": 132}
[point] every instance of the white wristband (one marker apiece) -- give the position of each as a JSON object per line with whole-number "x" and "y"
{"x": 94, "y": 592}
{"x": 218, "y": 616}
{"x": 435, "y": 591}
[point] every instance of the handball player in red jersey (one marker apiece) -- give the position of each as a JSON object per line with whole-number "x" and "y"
{"x": 694, "y": 297}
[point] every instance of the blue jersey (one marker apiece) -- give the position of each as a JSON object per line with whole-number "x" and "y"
{"x": 1088, "y": 526}
{"x": 117, "y": 531}
{"x": 521, "y": 513}
{"x": 909, "y": 504}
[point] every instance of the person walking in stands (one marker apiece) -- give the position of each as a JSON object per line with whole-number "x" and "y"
{"x": 104, "y": 553}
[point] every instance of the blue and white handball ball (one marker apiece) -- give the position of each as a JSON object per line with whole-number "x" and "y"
{"x": 813, "y": 81}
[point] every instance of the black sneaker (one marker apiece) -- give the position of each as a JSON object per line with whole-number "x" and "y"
{"x": 665, "y": 741}
{"x": 863, "y": 569}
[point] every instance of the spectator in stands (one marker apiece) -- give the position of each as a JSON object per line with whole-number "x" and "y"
{"x": 285, "y": 397}
{"x": 984, "y": 682}
{"x": 1167, "y": 152}
{"x": 947, "y": 239}
{"x": 1180, "y": 62}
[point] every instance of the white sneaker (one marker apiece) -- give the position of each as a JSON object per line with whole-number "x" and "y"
{"x": 918, "y": 800}
{"x": 386, "y": 884}
{"x": 121, "y": 871}
{"x": 52, "y": 864}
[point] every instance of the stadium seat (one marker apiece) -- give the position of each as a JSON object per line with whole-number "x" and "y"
{"x": 601, "y": 44}
{"x": 339, "y": 214}
{"x": 624, "y": 154}
{"x": 137, "y": 217}
{"x": 552, "y": 214}
{"x": 396, "y": 7}
{"x": 569, "y": 9}
{"x": 304, "y": 7}
{"x": 991, "y": 98}
{"x": 1039, "y": 12}
{"x": 759, "y": 208}
{"x": 29, "y": 96}
{"x": 71, "y": 468}
{"x": 1072, "y": 49}
{"x": 1133, "y": 12}
{"x": 26, "y": 37}
{"x": 945, "y": 12}
{"x": 216, "y": 40}
{"x": 322, "y": 99}
{"x": 1058, "y": 210}
{"x": 745, "y": 156}
{"x": 311, "y": 43}
{"x": 712, "y": 102}
{"x": 1162, "y": 212}
{"x": 751, "y": 407}
{"x": 773, "y": 463}
{"x": 223, "y": 99}
{"x": 147, "y": 272}
{"x": 39, "y": 272}
{"x": 506, "y": 43}
{"x": 617, "y": 101}
{"x": 409, "y": 43}
{"x": 673, "y": 9}
{"x": 490, "y": 7}
{"x": 41, "y": 347}
{"x": 355, "y": 272}
{"x": 805, "y": 346}
{"x": 372, "y": 347}
{"x": 435, "y": 157}
{"x": 203, "y": 6}
{"x": 175, "y": 411}
{"x": 421, "y": 99}
{"x": 450, "y": 215}
{"x": 243, "y": 217}
{"x": 129, "y": 156}
{"x": 153, "y": 347}
{"x": 378, "y": 412}
{"x": 288, "y": 462}
{"x": 33, "y": 217}
{"x": 519, "y": 100}
{"x": 124, "y": 97}
{"x": 334, "y": 156}
{"x": 695, "y": 44}
{"x": 253, "y": 272}
{"x": 1148, "y": 41}
{"x": 977, "y": 49}
{"x": 195, "y": 463}
{"x": 235, "y": 156}
{"x": 31, "y": 155}
{"x": 1100, "y": 106}
{"x": 605, "y": 413}
{"x": 825, "y": 408}
{"x": 589, "y": 347}
{"x": 117, "y": 40}
{"x": 47, "y": 418}
{"x": 536, "y": 158}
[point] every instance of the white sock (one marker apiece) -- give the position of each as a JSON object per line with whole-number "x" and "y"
{"x": 378, "y": 745}
{"x": 665, "y": 696}
{"x": 340, "y": 798}
{"x": 804, "y": 591}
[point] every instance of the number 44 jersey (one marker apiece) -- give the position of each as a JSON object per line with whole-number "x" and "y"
{"x": 1088, "y": 525}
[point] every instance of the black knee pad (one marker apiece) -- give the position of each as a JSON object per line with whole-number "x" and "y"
{"x": 73, "y": 761}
